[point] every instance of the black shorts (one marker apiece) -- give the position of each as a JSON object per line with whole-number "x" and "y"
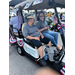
{"x": 38, "y": 43}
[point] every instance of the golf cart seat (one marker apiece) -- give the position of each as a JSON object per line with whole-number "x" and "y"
{"x": 18, "y": 34}
{"x": 27, "y": 40}
{"x": 23, "y": 26}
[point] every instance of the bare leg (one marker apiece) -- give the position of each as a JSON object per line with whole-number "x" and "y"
{"x": 40, "y": 50}
{"x": 49, "y": 44}
{"x": 59, "y": 48}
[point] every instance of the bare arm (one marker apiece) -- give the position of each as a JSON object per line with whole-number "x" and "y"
{"x": 41, "y": 34}
{"x": 43, "y": 29}
{"x": 30, "y": 37}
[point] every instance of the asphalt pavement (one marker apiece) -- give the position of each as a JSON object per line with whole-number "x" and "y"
{"x": 22, "y": 65}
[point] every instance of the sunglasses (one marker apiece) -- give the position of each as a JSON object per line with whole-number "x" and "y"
{"x": 41, "y": 16}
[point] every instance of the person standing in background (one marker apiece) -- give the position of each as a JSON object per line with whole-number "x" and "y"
{"x": 16, "y": 21}
{"x": 48, "y": 15}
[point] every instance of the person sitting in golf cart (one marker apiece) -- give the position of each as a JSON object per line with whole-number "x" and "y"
{"x": 30, "y": 31}
{"x": 53, "y": 36}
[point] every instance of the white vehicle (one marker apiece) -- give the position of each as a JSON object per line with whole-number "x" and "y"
{"x": 25, "y": 47}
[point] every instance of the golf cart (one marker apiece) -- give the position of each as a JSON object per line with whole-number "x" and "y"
{"x": 25, "y": 47}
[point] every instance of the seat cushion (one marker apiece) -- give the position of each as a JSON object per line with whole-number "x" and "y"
{"x": 16, "y": 34}
{"x": 23, "y": 26}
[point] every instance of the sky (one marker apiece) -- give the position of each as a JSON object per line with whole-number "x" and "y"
{"x": 52, "y": 10}
{"x": 58, "y": 9}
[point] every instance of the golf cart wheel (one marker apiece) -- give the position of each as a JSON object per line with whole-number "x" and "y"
{"x": 20, "y": 50}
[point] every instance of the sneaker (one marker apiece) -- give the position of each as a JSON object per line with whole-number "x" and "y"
{"x": 43, "y": 62}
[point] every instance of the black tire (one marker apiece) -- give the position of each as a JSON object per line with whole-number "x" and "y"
{"x": 20, "y": 50}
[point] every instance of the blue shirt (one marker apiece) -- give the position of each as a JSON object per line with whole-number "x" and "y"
{"x": 16, "y": 23}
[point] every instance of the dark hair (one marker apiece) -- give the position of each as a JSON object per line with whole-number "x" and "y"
{"x": 52, "y": 13}
{"x": 39, "y": 15}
